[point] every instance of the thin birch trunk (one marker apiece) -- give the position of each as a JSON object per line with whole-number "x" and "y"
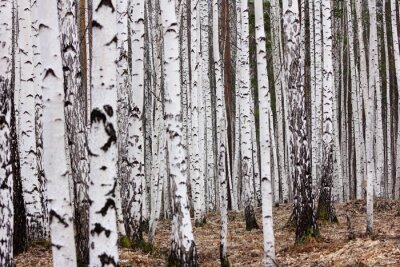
{"x": 221, "y": 137}
{"x": 102, "y": 136}
{"x": 265, "y": 138}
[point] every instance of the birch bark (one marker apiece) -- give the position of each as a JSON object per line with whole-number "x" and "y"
{"x": 304, "y": 210}
{"x": 183, "y": 248}
{"x": 54, "y": 157}
{"x": 6, "y": 175}
{"x": 102, "y": 136}
{"x": 75, "y": 123}
{"x": 265, "y": 138}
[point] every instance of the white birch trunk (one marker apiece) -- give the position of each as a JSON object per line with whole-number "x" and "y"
{"x": 246, "y": 163}
{"x": 103, "y": 137}
{"x": 221, "y": 136}
{"x": 265, "y": 138}
{"x": 396, "y": 52}
{"x": 6, "y": 175}
{"x": 136, "y": 127}
{"x": 369, "y": 133}
{"x": 389, "y": 155}
{"x": 76, "y": 123}
{"x": 197, "y": 177}
{"x": 54, "y": 157}
{"x": 183, "y": 248}
{"x": 29, "y": 172}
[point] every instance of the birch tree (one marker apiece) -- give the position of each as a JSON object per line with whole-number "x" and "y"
{"x": 221, "y": 136}
{"x": 6, "y": 175}
{"x": 136, "y": 127}
{"x": 54, "y": 158}
{"x": 304, "y": 210}
{"x": 246, "y": 162}
{"x": 265, "y": 139}
{"x": 102, "y": 136}
{"x": 369, "y": 133}
{"x": 396, "y": 52}
{"x": 36, "y": 222}
{"x": 196, "y": 155}
{"x": 75, "y": 123}
{"x": 326, "y": 210}
{"x": 183, "y": 248}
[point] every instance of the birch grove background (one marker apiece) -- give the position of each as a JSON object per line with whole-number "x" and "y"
{"x": 199, "y": 132}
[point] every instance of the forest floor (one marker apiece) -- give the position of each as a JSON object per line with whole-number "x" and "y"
{"x": 245, "y": 248}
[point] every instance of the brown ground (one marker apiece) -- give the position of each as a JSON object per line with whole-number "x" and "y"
{"x": 246, "y": 249}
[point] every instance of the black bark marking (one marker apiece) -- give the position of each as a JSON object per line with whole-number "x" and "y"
{"x": 113, "y": 40}
{"x": 95, "y": 24}
{"x": 49, "y": 72}
{"x": 112, "y": 191}
{"x": 43, "y": 26}
{"x": 98, "y": 229}
{"x": 109, "y": 204}
{"x": 60, "y": 219}
{"x": 113, "y": 137}
{"x": 103, "y": 168}
{"x": 106, "y": 3}
{"x": 107, "y": 260}
{"x": 97, "y": 116}
{"x": 109, "y": 110}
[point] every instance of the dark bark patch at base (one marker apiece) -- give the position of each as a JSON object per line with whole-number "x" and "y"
{"x": 201, "y": 222}
{"x": 179, "y": 257}
{"x": 250, "y": 217}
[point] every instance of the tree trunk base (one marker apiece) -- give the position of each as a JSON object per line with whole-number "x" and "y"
{"x": 179, "y": 257}
{"x": 326, "y": 210}
{"x": 250, "y": 216}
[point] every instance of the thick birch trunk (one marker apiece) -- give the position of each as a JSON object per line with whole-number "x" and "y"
{"x": 54, "y": 157}
{"x": 6, "y": 174}
{"x": 103, "y": 137}
{"x": 76, "y": 124}
{"x": 183, "y": 248}
{"x": 304, "y": 210}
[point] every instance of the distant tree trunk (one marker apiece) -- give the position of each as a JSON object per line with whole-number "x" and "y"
{"x": 374, "y": 85}
{"x": 265, "y": 138}
{"x": 136, "y": 127}
{"x": 396, "y": 53}
{"x": 103, "y": 137}
{"x": 197, "y": 178}
{"x": 304, "y": 210}
{"x": 183, "y": 248}
{"x": 281, "y": 183}
{"x": 246, "y": 162}
{"x": 221, "y": 136}
{"x": 123, "y": 83}
{"x": 36, "y": 221}
{"x": 326, "y": 209}
{"x": 6, "y": 164}
{"x": 54, "y": 157}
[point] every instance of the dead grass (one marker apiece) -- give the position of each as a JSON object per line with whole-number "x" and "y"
{"x": 246, "y": 248}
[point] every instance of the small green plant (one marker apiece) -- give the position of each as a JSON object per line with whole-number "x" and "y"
{"x": 125, "y": 242}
